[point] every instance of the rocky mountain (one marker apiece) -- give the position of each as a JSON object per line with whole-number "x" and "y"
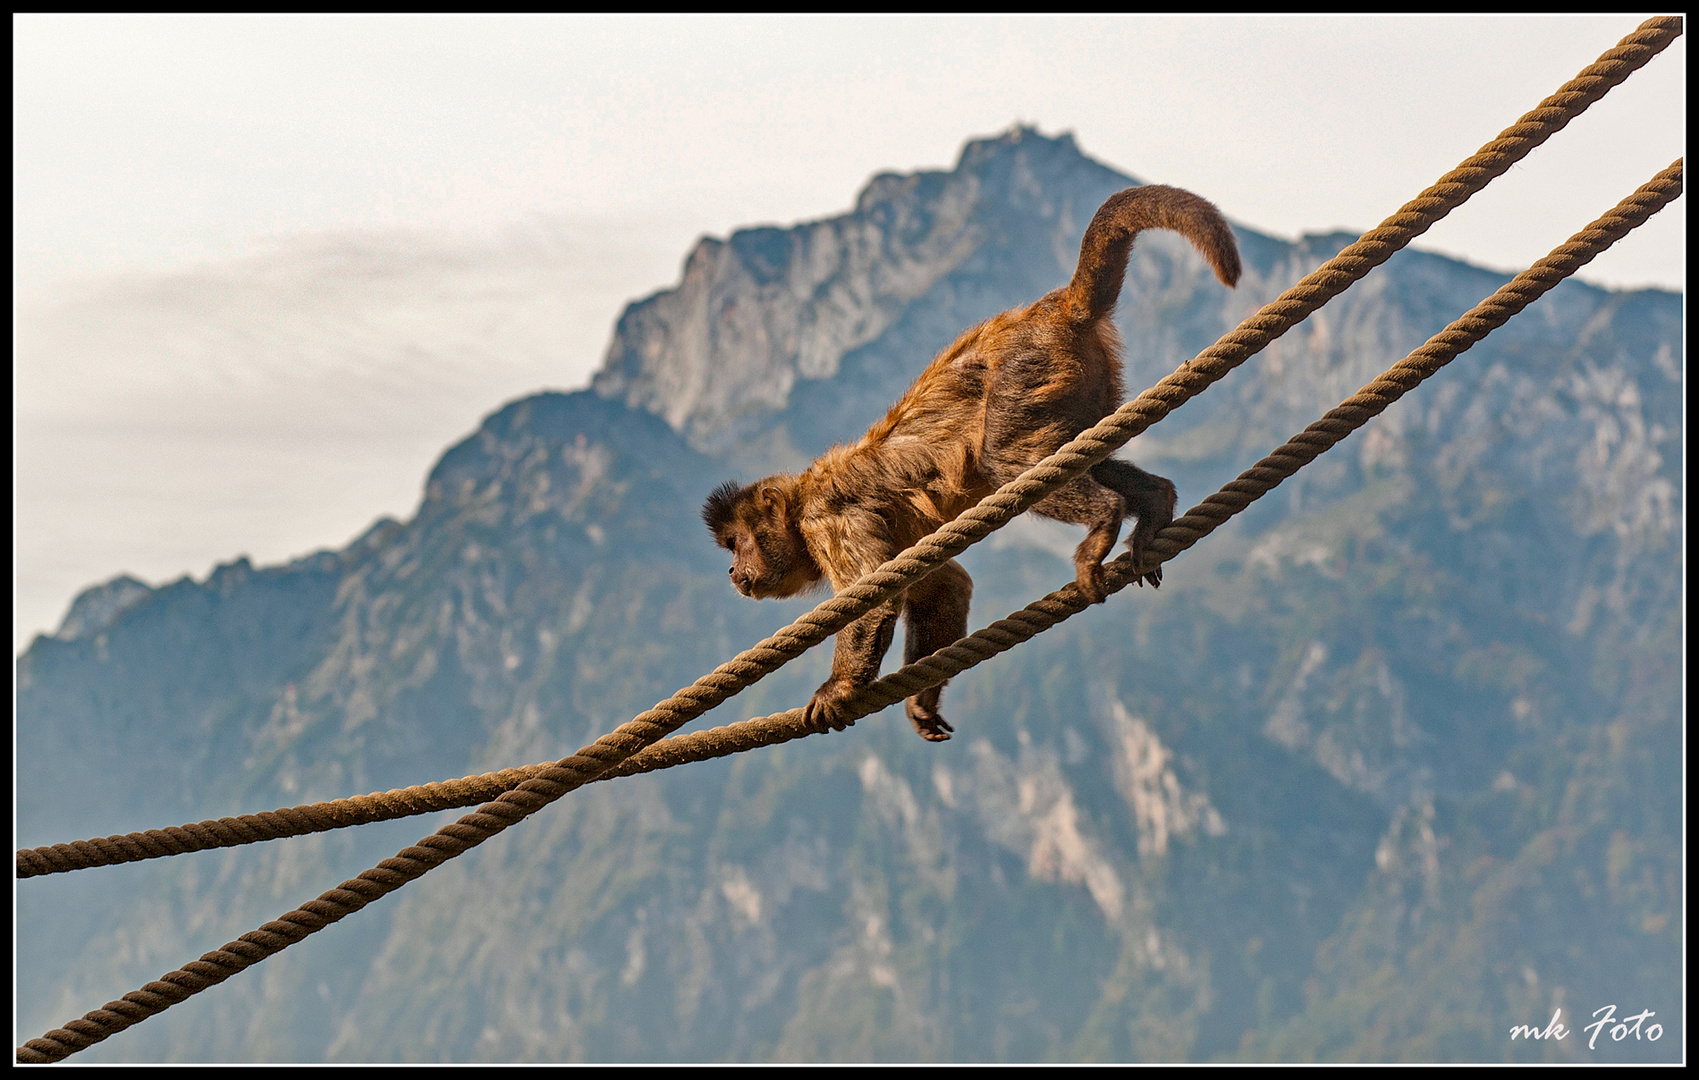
{"x": 1389, "y": 766}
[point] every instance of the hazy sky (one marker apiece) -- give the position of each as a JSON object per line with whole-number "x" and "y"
{"x": 267, "y": 268}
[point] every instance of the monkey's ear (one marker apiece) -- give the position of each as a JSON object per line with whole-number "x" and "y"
{"x": 770, "y": 498}
{"x": 719, "y": 510}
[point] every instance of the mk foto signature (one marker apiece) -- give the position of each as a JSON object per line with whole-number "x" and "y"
{"x": 1619, "y": 1029}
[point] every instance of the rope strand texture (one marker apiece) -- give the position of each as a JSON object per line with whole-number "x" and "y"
{"x": 273, "y": 825}
{"x": 625, "y": 741}
{"x": 1203, "y": 519}
{"x": 1091, "y": 447}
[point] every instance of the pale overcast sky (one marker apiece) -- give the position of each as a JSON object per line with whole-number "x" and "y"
{"x": 173, "y": 176}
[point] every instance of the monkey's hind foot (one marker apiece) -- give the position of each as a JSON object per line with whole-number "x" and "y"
{"x": 1089, "y": 579}
{"x": 927, "y": 723}
{"x": 1157, "y": 514}
{"x": 1153, "y": 575}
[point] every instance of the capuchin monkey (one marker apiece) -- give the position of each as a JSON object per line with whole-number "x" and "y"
{"x": 1006, "y": 395}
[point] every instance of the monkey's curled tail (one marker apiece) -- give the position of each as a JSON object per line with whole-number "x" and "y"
{"x": 1096, "y": 284}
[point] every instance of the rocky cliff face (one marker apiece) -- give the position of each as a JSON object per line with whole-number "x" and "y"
{"x": 754, "y": 352}
{"x": 1387, "y": 766}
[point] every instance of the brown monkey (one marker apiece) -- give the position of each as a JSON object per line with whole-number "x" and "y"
{"x": 1006, "y": 395}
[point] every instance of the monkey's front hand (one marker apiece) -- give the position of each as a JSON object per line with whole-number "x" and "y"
{"x": 825, "y": 710}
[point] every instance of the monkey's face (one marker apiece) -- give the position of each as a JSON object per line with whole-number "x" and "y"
{"x": 769, "y": 556}
{"x": 769, "y": 563}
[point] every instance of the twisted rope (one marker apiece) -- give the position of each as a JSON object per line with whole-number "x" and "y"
{"x": 1434, "y": 354}
{"x": 273, "y": 825}
{"x": 1291, "y": 307}
{"x": 1207, "y": 516}
{"x": 600, "y": 757}
{"x": 1091, "y": 447}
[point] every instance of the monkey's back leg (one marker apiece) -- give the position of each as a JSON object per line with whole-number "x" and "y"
{"x": 935, "y": 614}
{"x": 1019, "y": 433}
{"x": 1084, "y": 501}
{"x": 1149, "y": 497}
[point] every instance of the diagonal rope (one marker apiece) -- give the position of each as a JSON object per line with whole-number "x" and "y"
{"x": 1209, "y": 515}
{"x": 274, "y": 825}
{"x": 1097, "y": 443}
{"x": 1091, "y": 447}
{"x": 598, "y": 758}
{"x": 1000, "y": 636}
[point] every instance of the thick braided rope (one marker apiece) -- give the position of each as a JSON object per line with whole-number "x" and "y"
{"x": 1327, "y": 281}
{"x": 274, "y": 825}
{"x": 1091, "y": 447}
{"x": 1409, "y": 372}
{"x": 1204, "y": 518}
{"x": 1291, "y": 307}
{"x": 998, "y": 637}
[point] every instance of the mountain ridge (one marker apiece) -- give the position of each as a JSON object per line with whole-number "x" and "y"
{"x": 1403, "y": 724}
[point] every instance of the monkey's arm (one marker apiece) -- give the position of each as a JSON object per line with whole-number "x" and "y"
{"x": 936, "y": 612}
{"x": 855, "y": 662}
{"x": 848, "y": 544}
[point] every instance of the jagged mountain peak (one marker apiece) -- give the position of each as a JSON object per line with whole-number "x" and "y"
{"x": 551, "y": 423}
{"x": 770, "y": 308}
{"x": 99, "y": 606}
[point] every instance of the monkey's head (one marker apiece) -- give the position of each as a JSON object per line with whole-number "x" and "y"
{"x": 758, "y": 525}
